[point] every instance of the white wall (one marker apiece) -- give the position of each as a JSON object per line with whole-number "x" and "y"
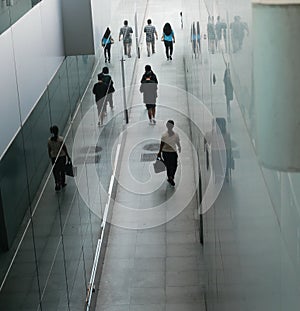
{"x": 31, "y": 52}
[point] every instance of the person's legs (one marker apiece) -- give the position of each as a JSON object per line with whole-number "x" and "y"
{"x": 125, "y": 48}
{"x": 149, "y": 114}
{"x": 55, "y": 174}
{"x": 108, "y": 51}
{"x": 153, "y": 46}
{"x": 171, "y": 49}
{"x": 167, "y": 49}
{"x": 167, "y": 163}
{"x": 110, "y": 100}
{"x": 105, "y": 53}
{"x": 101, "y": 111}
{"x": 148, "y": 48}
{"x": 173, "y": 164}
{"x": 61, "y": 161}
{"x": 129, "y": 49}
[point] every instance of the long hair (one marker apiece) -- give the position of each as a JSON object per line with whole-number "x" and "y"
{"x": 107, "y": 33}
{"x": 167, "y": 29}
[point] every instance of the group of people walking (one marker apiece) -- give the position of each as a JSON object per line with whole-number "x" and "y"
{"x": 103, "y": 91}
{"x": 170, "y": 142}
{"x": 218, "y": 32}
{"x": 126, "y": 32}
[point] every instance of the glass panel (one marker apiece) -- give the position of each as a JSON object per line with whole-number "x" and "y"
{"x": 21, "y": 291}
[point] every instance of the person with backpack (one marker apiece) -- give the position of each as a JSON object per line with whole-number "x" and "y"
{"x": 100, "y": 90}
{"x": 106, "y": 78}
{"x": 153, "y": 75}
{"x": 149, "y": 90}
{"x": 125, "y": 34}
{"x": 168, "y": 38}
{"x": 106, "y": 42}
{"x": 58, "y": 153}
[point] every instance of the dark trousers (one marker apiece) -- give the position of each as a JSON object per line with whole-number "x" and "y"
{"x": 170, "y": 160}
{"x": 169, "y": 48}
{"x": 107, "y": 51}
{"x": 59, "y": 170}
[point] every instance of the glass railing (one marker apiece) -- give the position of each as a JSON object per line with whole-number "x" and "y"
{"x": 12, "y": 10}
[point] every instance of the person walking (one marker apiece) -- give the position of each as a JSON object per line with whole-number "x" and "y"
{"x": 125, "y": 34}
{"x": 58, "y": 153}
{"x": 153, "y": 77}
{"x": 211, "y": 36}
{"x": 149, "y": 90}
{"x": 100, "y": 90}
{"x": 106, "y": 78}
{"x": 169, "y": 145}
{"x": 150, "y": 31}
{"x": 168, "y": 38}
{"x": 107, "y": 41}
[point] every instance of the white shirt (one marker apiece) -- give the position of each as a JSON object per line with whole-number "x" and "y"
{"x": 170, "y": 142}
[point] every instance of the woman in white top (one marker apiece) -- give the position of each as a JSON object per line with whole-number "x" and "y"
{"x": 169, "y": 144}
{"x": 58, "y": 152}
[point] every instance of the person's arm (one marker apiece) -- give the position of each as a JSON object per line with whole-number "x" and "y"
{"x": 173, "y": 37}
{"x": 178, "y": 144}
{"x": 64, "y": 147}
{"x": 160, "y": 149}
{"x": 120, "y": 34}
{"x": 155, "y": 32}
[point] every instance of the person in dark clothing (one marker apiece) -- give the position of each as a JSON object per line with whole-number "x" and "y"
{"x": 169, "y": 38}
{"x": 153, "y": 75}
{"x": 58, "y": 152}
{"x": 149, "y": 90}
{"x": 106, "y": 42}
{"x": 169, "y": 144}
{"x": 106, "y": 78}
{"x": 100, "y": 90}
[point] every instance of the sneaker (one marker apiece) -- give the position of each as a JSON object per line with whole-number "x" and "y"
{"x": 170, "y": 57}
{"x": 150, "y": 121}
{"x": 57, "y": 187}
{"x": 106, "y": 60}
{"x": 63, "y": 185}
{"x": 154, "y": 121}
{"x": 172, "y": 183}
{"x": 99, "y": 123}
{"x": 109, "y": 60}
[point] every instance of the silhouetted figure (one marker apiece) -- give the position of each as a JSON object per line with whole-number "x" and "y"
{"x": 58, "y": 153}
{"x": 211, "y": 36}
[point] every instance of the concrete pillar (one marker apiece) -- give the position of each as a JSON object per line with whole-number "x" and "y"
{"x": 276, "y": 82}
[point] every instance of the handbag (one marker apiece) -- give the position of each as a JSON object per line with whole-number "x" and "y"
{"x": 70, "y": 170}
{"x": 159, "y": 165}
